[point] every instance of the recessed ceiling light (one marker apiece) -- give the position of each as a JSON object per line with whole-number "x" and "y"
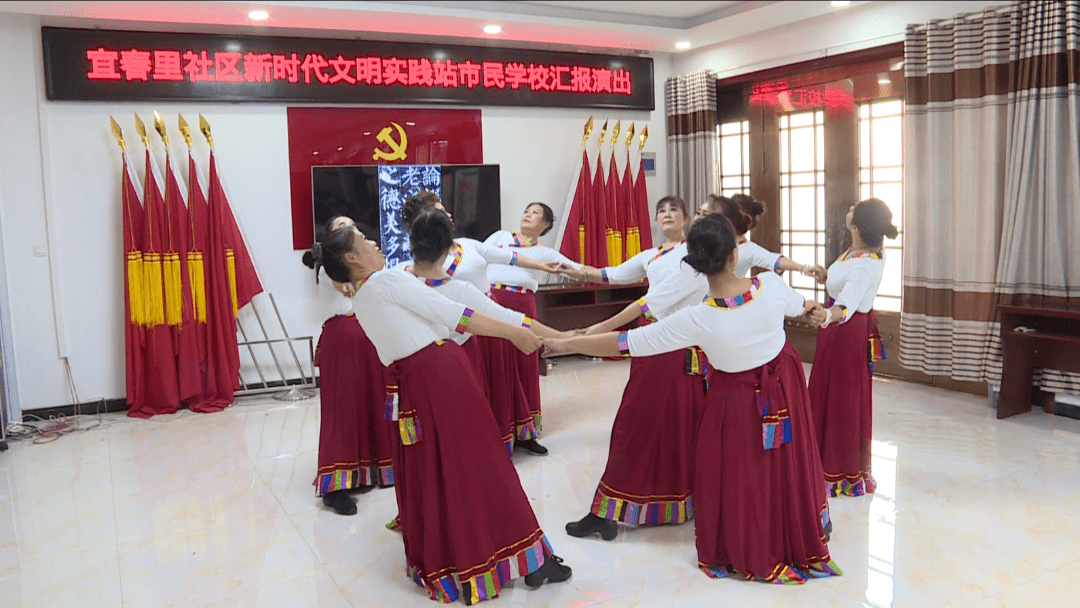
{"x": 685, "y": 44}
{"x": 884, "y": 79}
{"x": 492, "y": 29}
{"x": 839, "y": 3}
{"x": 258, "y": 15}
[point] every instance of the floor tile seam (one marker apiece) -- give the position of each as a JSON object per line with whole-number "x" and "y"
{"x": 207, "y": 529}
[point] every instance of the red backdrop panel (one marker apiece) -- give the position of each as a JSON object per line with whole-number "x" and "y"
{"x": 351, "y": 136}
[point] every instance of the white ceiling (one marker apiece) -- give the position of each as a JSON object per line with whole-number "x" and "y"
{"x": 625, "y": 26}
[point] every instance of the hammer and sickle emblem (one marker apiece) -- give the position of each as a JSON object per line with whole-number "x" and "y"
{"x": 397, "y": 147}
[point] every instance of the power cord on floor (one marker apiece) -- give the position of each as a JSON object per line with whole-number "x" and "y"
{"x": 40, "y": 430}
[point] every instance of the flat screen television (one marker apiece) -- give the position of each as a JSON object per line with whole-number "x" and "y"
{"x": 372, "y": 195}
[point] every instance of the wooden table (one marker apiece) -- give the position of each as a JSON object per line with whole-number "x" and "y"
{"x": 578, "y": 306}
{"x": 1053, "y": 343}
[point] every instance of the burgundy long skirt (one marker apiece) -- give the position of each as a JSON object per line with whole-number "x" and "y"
{"x": 527, "y": 415}
{"x": 466, "y": 523}
{"x": 842, "y": 401}
{"x": 496, "y": 368}
{"x": 761, "y": 511}
{"x": 355, "y": 442}
{"x": 649, "y": 478}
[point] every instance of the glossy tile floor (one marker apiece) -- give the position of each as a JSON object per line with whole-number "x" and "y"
{"x": 219, "y": 510}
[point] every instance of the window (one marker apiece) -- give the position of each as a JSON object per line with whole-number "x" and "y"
{"x": 802, "y": 196}
{"x": 734, "y": 152}
{"x": 881, "y": 175}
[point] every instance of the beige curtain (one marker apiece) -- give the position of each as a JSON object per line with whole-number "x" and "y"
{"x": 1039, "y": 261}
{"x": 693, "y": 165}
{"x": 992, "y": 130}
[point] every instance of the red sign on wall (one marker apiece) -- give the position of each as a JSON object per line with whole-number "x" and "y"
{"x": 369, "y": 136}
{"x": 786, "y": 98}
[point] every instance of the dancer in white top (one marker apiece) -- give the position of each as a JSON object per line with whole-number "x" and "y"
{"x": 514, "y": 287}
{"x": 355, "y": 443}
{"x": 760, "y": 506}
{"x": 649, "y": 477}
{"x": 847, "y": 347}
{"x": 467, "y": 525}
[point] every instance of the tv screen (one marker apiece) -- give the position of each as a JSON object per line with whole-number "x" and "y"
{"x": 373, "y": 195}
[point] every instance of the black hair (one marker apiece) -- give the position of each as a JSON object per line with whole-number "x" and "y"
{"x": 874, "y": 220}
{"x": 740, "y": 219}
{"x": 677, "y": 202}
{"x": 548, "y": 215}
{"x": 750, "y": 206}
{"x": 330, "y": 254}
{"x": 710, "y": 243}
{"x": 417, "y": 204}
{"x": 430, "y": 235}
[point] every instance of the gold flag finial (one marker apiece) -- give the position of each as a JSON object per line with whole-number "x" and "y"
{"x": 644, "y": 136}
{"x": 603, "y": 130}
{"x": 205, "y": 128}
{"x": 630, "y": 136}
{"x": 615, "y": 133}
{"x": 588, "y": 131}
{"x": 159, "y": 126}
{"x": 141, "y": 128}
{"x": 118, "y": 134}
{"x": 185, "y": 130}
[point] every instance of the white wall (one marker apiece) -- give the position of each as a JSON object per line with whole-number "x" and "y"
{"x": 78, "y": 185}
{"x": 848, "y": 29}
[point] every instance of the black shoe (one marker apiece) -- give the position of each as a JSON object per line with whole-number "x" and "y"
{"x": 340, "y": 502}
{"x": 591, "y": 524}
{"x": 361, "y": 489}
{"x": 552, "y": 570}
{"x": 828, "y": 530}
{"x": 530, "y": 445}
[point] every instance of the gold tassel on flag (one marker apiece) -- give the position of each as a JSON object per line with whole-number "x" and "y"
{"x": 152, "y": 282}
{"x": 615, "y": 256}
{"x": 195, "y": 263}
{"x": 581, "y": 226}
{"x": 231, "y": 260}
{"x": 174, "y": 286}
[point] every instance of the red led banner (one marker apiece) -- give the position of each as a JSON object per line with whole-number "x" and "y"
{"x": 785, "y": 98}
{"x": 140, "y": 66}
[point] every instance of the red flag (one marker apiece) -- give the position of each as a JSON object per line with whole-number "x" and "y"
{"x": 198, "y": 217}
{"x": 222, "y": 351}
{"x": 615, "y": 238}
{"x": 181, "y": 314}
{"x": 244, "y": 282}
{"x": 134, "y": 310}
{"x": 631, "y": 230}
{"x": 162, "y": 393}
{"x": 597, "y": 226}
{"x": 573, "y": 238}
{"x": 641, "y": 207}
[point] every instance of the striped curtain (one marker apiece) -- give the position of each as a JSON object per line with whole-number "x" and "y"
{"x": 693, "y": 163}
{"x": 991, "y": 126}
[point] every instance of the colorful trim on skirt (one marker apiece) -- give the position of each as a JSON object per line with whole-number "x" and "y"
{"x": 528, "y": 428}
{"x": 489, "y": 582}
{"x": 863, "y": 484}
{"x": 783, "y": 574}
{"x": 508, "y": 441}
{"x": 351, "y": 475}
{"x": 644, "y": 513}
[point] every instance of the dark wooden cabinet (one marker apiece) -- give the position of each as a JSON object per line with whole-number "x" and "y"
{"x": 578, "y": 306}
{"x": 1035, "y": 337}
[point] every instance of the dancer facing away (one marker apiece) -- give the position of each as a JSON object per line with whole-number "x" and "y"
{"x": 514, "y": 288}
{"x": 466, "y": 523}
{"x": 848, "y": 344}
{"x": 497, "y": 362}
{"x": 355, "y": 443}
{"x": 649, "y": 477}
{"x": 760, "y": 505}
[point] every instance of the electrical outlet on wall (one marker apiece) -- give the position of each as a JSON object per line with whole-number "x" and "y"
{"x": 41, "y": 251}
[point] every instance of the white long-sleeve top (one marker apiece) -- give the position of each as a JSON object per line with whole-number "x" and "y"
{"x": 752, "y": 255}
{"x": 854, "y": 280}
{"x": 673, "y": 284}
{"x": 736, "y": 334}
{"x": 401, "y": 315}
{"x": 476, "y": 257}
{"x": 503, "y": 274}
{"x": 467, "y": 294}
